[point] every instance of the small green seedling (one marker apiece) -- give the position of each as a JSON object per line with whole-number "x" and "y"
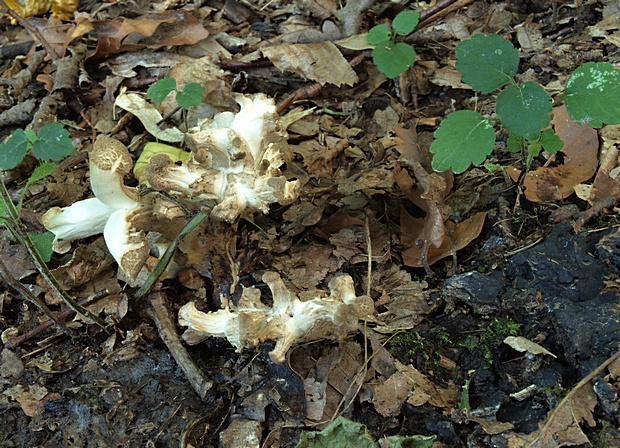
{"x": 488, "y": 63}
{"x": 51, "y": 144}
{"x": 190, "y": 96}
{"x": 393, "y": 58}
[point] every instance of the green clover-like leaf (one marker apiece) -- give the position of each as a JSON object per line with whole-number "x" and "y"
{"x": 13, "y": 150}
{"x": 405, "y": 22}
{"x": 379, "y": 34}
{"x": 550, "y": 141}
{"x": 161, "y": 89}
{"x": 593, "y": 94}
{"x": 53, "y": 143}
{"x": 524, "y": 110}
{"x": 486, "y": 62}
{"x": 463, "y": 138}
{"x": 190, "y": 96}
{"x": 393, "y": 59}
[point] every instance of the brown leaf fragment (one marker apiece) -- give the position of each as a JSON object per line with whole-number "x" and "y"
{"x": 337, "y": 221}
{"x": 321, "y": 62}
{"x": 390, "y": 395}
{"x": 562, "y": 425}
{"x": 424, "y": 390}
{"x": 607, "y": 181}
{"x": 33, "y": 400}
{"x": 457, "y": 237}
{"x": 407, "y": 301}
{"x": 492, "y": 427}
{"x": 580, "y": 161}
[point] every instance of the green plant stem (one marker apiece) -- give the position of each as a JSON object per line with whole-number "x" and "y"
{"x": 13, "y": 223}
{"x": 165, "y": 259}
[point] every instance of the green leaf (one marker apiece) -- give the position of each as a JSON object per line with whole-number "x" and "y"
{"x": 31, "y": 135}
{"x": 43, "y": 244}
{"x": 551, "y": 141}
{"x": 341, "y": 433}
{"x": 514, "y": 143}
{"x": 593, "y": 94}
{"x": 463, "y": 137}
{"x": 524, "y": 110}
{"x": 486, "y": 62}
{"x": 379, "y": 34}
{"x": 43, "y": 170}
{"x": 190, "y": 96}
{"x": 13, "y": 150}
{"x": 53, "y": 143}
{"x": 534, "y": 148}
{"x": 161, "y": 89}
{"x": 39, "y": 173}
{"x": 393, "y": 59}
{"x": 405, "y": 22}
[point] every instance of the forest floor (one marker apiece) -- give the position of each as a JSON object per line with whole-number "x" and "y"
{"x": 496, "y": 315}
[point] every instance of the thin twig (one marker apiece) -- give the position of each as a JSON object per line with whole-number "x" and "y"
{"x": 8, "y": 279}
{"x": 61, "y": 316}
{"x": 13, "y": 223}
{"x": 167, "y": 332}
{"x": 31, "y": 29}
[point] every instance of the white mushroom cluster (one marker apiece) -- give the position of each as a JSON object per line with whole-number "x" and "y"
{"x": 235, "y": 162}
{"x": 288, "y": 321}
{"x": 233, "y": 170}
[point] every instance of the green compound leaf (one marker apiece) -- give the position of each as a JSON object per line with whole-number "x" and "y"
{"x": 551, "y": 141}
{"x": 593, "y": 94}
{"x": 379, "y": 34}
{"x": 486, "y": 62}
{"x": 524, "y": 110}
{"x": 463, "y": 137}
{"x": 393, "y": 59}
{"x": 161, "y": 89}
{"x": 405, "y": 22}
{"x": 53, "y": 143}
{"x": 13, "y": 150}
{"x": 190, "y": 96}
{"x": 43, "y": 243}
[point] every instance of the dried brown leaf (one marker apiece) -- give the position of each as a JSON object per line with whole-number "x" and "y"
{"x": 457, "y": 237}
{"x": 175, "y": 27}
{"x": 580, "y": 161}
{"x": 321, "y": 62}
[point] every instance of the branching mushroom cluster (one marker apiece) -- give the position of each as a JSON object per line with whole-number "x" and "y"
{"x": 287, "y": 321}
{"x": 233, "y": 170}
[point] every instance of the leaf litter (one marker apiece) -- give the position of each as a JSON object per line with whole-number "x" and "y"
{"x": 371, "y": 207}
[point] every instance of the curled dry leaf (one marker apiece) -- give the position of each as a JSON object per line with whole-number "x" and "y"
{"x": 175, "y": 27}
{"x": 580, "y": 161}
{"x": 457, "y": 237}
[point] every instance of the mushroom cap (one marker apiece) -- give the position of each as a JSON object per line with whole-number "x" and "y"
{"x": 110, "y": 154}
